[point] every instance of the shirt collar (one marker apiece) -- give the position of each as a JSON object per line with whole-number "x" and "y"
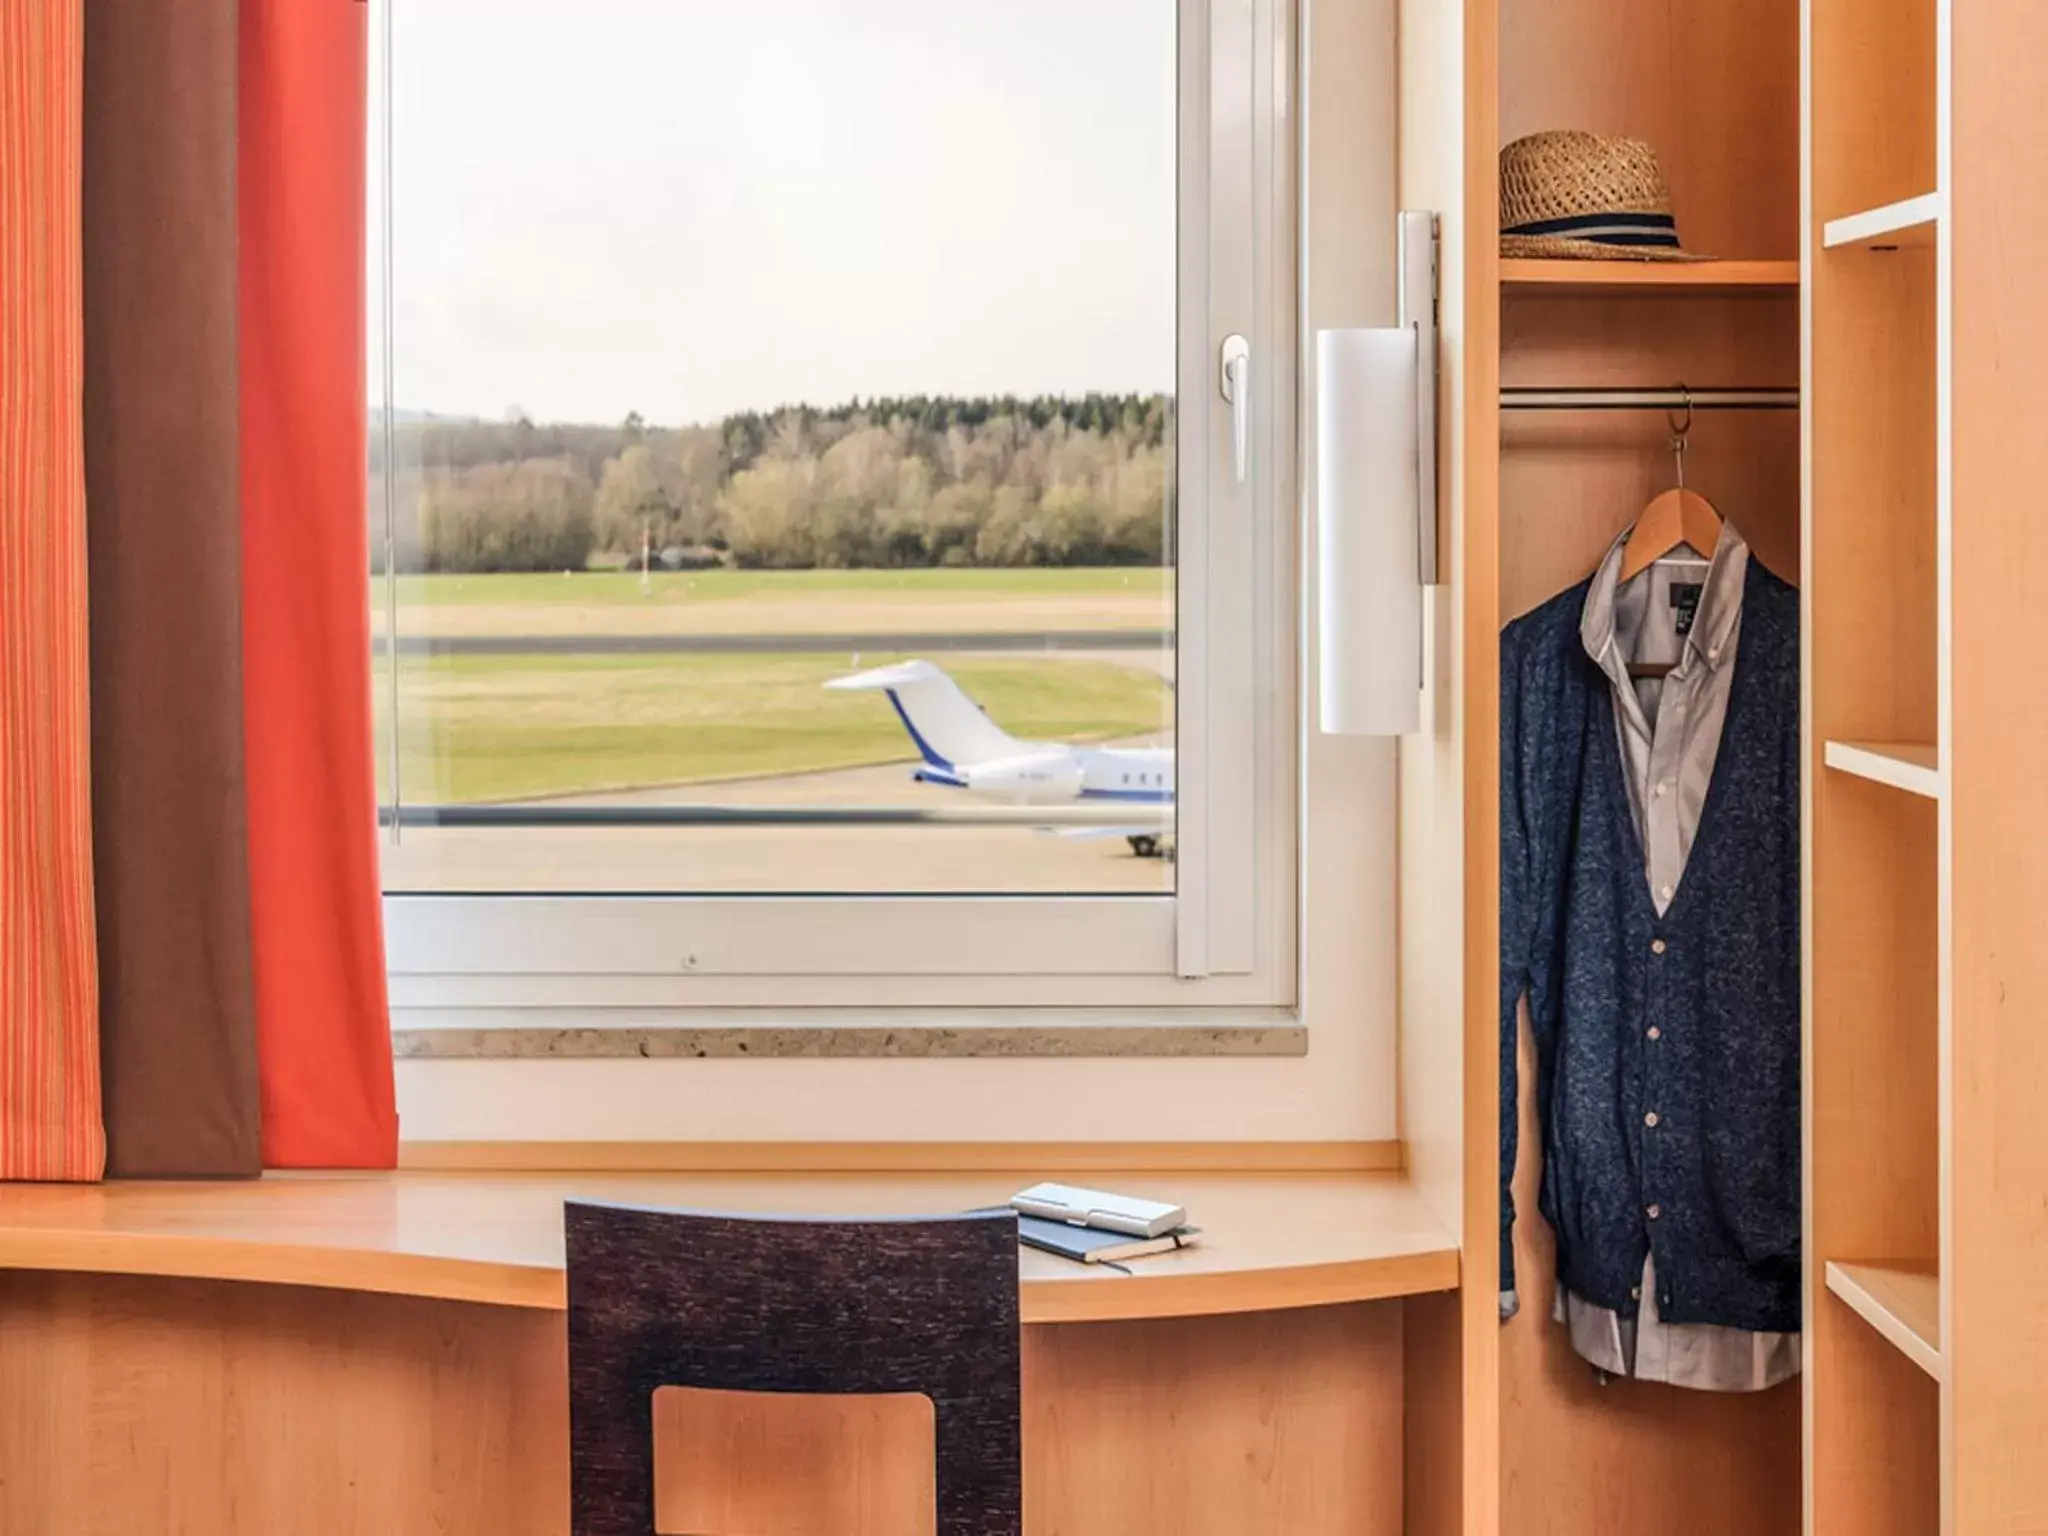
{"x": 1719, "y": 611}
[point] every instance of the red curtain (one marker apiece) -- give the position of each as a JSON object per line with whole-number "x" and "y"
{"x": 323, "y": 1033}
{"x": 49, "y": 1018}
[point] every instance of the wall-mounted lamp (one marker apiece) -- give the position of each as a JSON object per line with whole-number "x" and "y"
{"x": 1376, "y": 529}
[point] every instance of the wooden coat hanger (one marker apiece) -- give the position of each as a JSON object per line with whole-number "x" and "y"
{"x": 1678, "y": 517}
{"x": 1674, "y": 520}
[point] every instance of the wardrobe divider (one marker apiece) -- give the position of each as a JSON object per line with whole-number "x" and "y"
{"x": 1873, "y": 1075}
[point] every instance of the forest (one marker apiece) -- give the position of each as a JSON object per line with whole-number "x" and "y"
{"x": 882, "y": 483}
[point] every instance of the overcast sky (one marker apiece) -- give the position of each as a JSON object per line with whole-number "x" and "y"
{"x": 690, "y": 207}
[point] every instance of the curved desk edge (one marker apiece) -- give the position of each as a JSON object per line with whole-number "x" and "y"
{"x": 279, "y": 1232}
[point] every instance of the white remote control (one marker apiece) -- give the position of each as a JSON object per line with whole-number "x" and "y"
{"x": 1099, "y": 1209}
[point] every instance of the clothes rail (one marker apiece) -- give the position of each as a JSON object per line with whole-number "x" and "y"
{"x": 1675, "y": 399}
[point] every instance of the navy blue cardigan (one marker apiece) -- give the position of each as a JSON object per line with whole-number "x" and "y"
{"x": 1713, "y": 1186}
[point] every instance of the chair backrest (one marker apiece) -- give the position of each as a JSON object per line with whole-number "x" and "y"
{"x": 685, "y": 1299}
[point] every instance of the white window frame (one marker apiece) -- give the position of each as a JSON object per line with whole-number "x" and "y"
{"x": 1227, "y": 936}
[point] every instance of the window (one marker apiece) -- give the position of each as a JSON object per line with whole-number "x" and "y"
{"x": 817, "y": 561}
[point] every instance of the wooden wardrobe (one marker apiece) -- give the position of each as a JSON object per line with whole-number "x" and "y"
{"x": 1872, "y": 179}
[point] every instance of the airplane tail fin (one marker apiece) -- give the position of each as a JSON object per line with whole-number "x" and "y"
{"x": 949, "y": 728}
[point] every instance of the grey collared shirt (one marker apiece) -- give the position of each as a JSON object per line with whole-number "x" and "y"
{"x": 1686, "y": 614}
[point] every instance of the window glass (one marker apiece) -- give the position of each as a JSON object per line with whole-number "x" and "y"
{"x": 773, "y": 449}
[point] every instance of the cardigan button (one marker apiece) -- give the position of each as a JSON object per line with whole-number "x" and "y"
{"x": 1651, "y": 1119}
{"x": 1658, "y": 946}
{"x": 1654, "y": 1032}
{"x": 1654, "y": 1212}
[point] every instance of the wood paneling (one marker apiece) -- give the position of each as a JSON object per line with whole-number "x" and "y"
{"x": 1282, "y": 1423}
{"x": 1268, "y": 1241}
{"x": 1476, "y": 652}
{"x": 1872, "y": 1140}
{"x": 793, "y": 1464}
{"x": 1875, "y": 1470}
{"x": 1873, "y": 104}
{"x": 1434, "y": 1436}
{"x": 191, "y": 1408}
{"x": 1996, "y": 1249}
{"x": 1572, "y": 480}
{"x": 1713, "y": 89}
{"x": 1873, "y": 651}
{"x": 1872, "y": 1067}
{"x": 182, "y": 1408}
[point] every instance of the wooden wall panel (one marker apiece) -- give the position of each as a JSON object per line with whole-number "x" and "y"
{"x": 793, "y": 1464}
{"x": 1873, "y": 104}
{"x": 1572, "y": 480}
{"x": 1874, "y": 653}
{"x": 195, "y": 1408}
{"x": 1872, "y": 1052}
{"x": 1435, "y": 1439}
{"x": 1996, "y": 1245}
{"x": 1714, "y": 89}
{"x": 1876, "y": 1431}
{"x": 1271, "y": 1422}
{"x": 204, "y": 1408}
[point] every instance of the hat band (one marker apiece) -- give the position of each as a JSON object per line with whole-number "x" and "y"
{"x": 1636, "y": 229}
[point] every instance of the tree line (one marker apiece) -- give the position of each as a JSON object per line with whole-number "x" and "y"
{"x": 898, "y": 482}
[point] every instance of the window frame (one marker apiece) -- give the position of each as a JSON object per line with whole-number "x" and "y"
{"x": 1226, "y": 937}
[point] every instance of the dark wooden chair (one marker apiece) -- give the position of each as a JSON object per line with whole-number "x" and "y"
{"x": 683, "y": 1299}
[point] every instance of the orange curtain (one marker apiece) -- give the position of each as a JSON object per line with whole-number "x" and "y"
{"x": 323, "y": 1032}
{"x": 49, "y": 1027}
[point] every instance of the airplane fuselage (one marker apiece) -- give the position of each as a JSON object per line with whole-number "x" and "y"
{"x": 1059, "y": 775}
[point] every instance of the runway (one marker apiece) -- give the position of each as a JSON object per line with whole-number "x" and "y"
{"x": 762, "y": 860}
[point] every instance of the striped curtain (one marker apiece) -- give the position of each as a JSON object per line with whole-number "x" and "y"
{"x": 49, "y": 1035}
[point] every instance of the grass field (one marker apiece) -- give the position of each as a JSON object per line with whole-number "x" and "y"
{"x": 781, "y": 602}
{"x": 913, "y": 586}
{"x": 491, "y": 728}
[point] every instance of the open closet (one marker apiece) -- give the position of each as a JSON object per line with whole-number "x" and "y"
{"x": 1601, "y": 363}
{"x": 1862, "y": 362}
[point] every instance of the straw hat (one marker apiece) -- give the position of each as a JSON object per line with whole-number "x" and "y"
{"x": 1581, "y": 195}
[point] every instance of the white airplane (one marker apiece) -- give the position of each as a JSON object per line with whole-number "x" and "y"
{"x": 963, "y": 749}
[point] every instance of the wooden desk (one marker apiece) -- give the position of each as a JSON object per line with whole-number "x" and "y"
{"x": 380, "y": 1355}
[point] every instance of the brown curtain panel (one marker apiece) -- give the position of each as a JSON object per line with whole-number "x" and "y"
{"x": 162, "y": 471}
{"x": 49, "y": 1055}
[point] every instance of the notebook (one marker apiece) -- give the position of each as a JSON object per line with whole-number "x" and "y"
{"x": 1086, "y": 1245}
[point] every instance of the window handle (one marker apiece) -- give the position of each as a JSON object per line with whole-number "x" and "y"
{"x": 1236, "y": 384}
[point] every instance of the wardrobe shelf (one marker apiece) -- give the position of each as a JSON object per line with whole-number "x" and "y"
{"x": 1911, "y": 222}
{"x": 1901, "y": 1301}
{"x": 1911, "y": 766}
{"x": 1520, "y": 274}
